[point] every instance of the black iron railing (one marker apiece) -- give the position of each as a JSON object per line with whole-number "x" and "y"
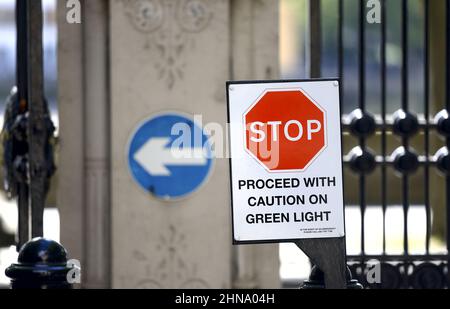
{"x": 398, "y": 131}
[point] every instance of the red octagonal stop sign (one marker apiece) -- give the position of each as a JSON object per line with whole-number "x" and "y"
{"x": 285, "y": 130}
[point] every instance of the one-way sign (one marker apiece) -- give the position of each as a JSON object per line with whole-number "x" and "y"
{"x": 169, "y": 156}
{"x": 156, "y": 156}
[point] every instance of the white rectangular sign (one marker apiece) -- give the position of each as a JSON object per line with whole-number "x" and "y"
{"x": 286, "y": 160}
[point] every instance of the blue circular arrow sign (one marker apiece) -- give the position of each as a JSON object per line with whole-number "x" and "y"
{"x": 169, "y": 156}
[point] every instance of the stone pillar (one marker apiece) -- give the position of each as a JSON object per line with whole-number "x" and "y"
{"x": 171, "y": 55}
{"x": 254, "y": 47}
{"x": 70, "y": 158}
{"x": 97, "y": 142}
{"x": 168, "y": 56}
{"x": 83, "y": 192}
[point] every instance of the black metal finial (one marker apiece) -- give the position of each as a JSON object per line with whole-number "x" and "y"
{"x": 362, "y": 124}
{"x": 405, "y": 161}
{"x": 391, "y": 277}
{"x": 442, "y": 120}
{"x": 428, "y": 276}
{"x": 442, "y": 158}
{"x": 406, "y": 124}
{"x": 317, "y": 280}
{"x": 362, "y": 161}
{"x": 42, "y": 264}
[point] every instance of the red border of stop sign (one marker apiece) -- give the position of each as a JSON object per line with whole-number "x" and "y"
{"x": 274, "y": 170}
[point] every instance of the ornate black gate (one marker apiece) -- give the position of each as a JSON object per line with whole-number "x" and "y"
{"x": 396, "y": 128}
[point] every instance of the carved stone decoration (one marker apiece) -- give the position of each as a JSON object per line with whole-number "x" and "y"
{"x": 145, "y": 15}
{"x": 149, "y": 285}
{"x": 193, "y": 15}
{"x": 171, "y": 270}
{"x": 194, "y": 284}
{"x": 169, "y": 26}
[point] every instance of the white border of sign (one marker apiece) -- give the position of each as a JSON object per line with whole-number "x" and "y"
{"x": 294, "y": 87}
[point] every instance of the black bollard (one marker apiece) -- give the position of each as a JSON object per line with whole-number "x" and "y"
{"x": 316, "y": 281}
{"x": 42, "y": 264}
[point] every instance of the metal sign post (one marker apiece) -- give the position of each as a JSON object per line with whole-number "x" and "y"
{"x": 37, "y": 132}
{"x": 21, "y": 147}
{"x": 28, "y": 130}
{"x": 329, "y": 256}
{"x": 27, "y": 135}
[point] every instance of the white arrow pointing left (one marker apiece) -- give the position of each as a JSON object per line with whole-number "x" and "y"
{"x": 155, "y": 157}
